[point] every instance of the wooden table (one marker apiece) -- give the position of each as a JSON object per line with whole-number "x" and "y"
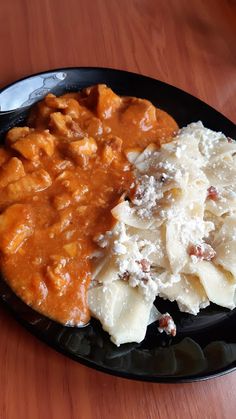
{"x": 190, "y": 44}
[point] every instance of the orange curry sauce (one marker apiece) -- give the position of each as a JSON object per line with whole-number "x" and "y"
{"x": 59, "y": 179}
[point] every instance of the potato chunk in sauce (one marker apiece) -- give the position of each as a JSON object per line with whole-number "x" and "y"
{"x": 60, "y": 176}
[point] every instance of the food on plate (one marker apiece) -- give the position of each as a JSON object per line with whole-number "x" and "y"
{"x": 106, "y": 204}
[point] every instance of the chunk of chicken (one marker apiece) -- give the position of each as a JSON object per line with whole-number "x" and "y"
{"x": 16, "y": 226}
{"x": 102, "y": 100}
{"x": 58, "y": 276}
{"x": 72, "y": 184}
{"x": 65, "y": 217}
{"x": 69, "y": 105}
{"x": 11, "y": 171}
{"x": 107, "y": 102}
{"x": 140, "y": 112}
{"x": 20, "y": 189}
{"x": 17, "y": 133}
{"x": 62, "y": 201}
{"x": 64, "y": 125}
{"x": 55, "y": 102}
{"x": 36, "y": 142}
{"x": 74, "y": 109}
{"x": 81, "y": 150}
{"x": 93, "y": 127}
{"x": 111, "y": 149}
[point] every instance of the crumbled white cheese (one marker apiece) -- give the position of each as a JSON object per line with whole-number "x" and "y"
{"x": 119, "y": 248}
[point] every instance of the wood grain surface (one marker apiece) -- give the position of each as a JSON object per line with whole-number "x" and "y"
{"x": 188, "y": 43}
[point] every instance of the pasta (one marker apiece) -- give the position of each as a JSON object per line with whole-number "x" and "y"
{"x": 175, "y": 237}
{"x": 117, "y": 305}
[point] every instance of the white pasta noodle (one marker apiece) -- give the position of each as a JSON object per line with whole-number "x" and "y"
{"x": 145, "y": 155}
{"x": 123, "y": 312}
{"x": 175, "y": 238}
{"x": 219, "y": 286}
{"x": 226, "y": 252}
{"x": 221, "y": 173}
{"x": 108, "y": 271}
{"x": 186, "y": 290}
{"x": 132, "y": 155}
{"x": 227, "y": 230}
{"x": 225, "y": 204}
{"x": 124, "y": 213}
{"x": 176, "y": 250}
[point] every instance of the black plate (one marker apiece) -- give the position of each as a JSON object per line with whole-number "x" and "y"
{"x": 205, "y": 345}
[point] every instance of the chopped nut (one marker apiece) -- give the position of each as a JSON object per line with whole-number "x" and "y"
{"x": 125, "y": 276}
{"x": 212, "y": 193}
{"x": 145, "y": 265}
{"x": 202, "y": 251}
{"x": 166, "y": 324}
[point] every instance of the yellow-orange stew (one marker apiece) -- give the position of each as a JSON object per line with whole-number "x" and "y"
{"x": 59, "y": 178}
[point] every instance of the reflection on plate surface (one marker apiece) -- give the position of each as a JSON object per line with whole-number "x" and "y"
{"x": 29, "y": 90}
{"x": 205, "y": 344}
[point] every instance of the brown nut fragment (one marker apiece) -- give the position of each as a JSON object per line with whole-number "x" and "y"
{"x": 145, "y": 265}
{"x": 202, "y": 251}
{"x": 212, "y": 193}
{"x": 166, "y": 324}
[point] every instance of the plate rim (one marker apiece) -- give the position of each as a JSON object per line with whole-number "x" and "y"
{"x": 87, "y": 68}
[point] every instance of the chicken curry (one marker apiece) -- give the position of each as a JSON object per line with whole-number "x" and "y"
{"x": 59, "y": 178}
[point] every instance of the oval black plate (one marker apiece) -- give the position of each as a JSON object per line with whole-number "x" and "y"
{"x": 205, "y": 345}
